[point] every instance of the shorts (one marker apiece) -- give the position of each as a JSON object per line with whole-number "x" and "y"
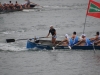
{"x": 54, "y": 36}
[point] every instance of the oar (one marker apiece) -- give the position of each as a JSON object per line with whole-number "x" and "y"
{"x": 58, "y": 45}
{"x": 93, "y": 47}
{"x": 13, "y": 40}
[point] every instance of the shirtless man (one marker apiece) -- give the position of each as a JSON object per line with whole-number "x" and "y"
{"x": 96, "y": 39}
{"x": 1, "y": 7}
{"x": 65, "y": 42}
{"x": 18, "y": 6}
{"x": 11, "y": 5}
{"x": 6, "y": 6}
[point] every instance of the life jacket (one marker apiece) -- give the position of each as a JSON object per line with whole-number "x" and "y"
{"x": 73, "y": 41}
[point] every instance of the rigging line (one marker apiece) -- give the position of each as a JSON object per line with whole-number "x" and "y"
{"x": 84, "y": 24}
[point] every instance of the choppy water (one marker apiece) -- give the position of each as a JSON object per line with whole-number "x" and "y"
{"x": 66, "y": 16}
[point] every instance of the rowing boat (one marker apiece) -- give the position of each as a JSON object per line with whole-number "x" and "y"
{"x": 45, "y": 44}
{"x": 13, "y": 10}
{"x": 7, "y": 11}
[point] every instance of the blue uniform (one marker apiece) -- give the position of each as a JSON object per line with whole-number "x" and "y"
{"x": 73, "y": 41}
{"x": 88, "y": 42}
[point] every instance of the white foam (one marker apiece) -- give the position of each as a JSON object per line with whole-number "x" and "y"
{"x": 28, "y": 10}
{"x": 12, "y": 32}
{"x": 11, "y": 47}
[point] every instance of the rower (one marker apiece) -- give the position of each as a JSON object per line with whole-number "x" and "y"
{"x": 11, "y": 5}
{"x": 97, "y": 43}
{"x": 84, "y": 41}
{"x": 65, "y": 42}
{"x": 18, "y": 6}
{"x": 74, "y": 39}
{"x": 96, "y": 39}
{"x": 1, "y": 7}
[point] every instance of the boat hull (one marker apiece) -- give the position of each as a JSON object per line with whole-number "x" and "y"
{"x": 31, "y": 45}
{"x": 7, "y": 11}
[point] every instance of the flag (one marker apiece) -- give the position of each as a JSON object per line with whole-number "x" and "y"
{"x": 93, "y": 9}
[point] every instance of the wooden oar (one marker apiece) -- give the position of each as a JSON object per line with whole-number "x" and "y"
{"x": 58, "y": 45}
{"x": 93, "y": 47}
{"x": 13, "y": 40}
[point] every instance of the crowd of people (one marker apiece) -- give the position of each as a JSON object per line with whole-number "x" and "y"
{"x": 15, "y": 6}
{"x": 74, "y": 39}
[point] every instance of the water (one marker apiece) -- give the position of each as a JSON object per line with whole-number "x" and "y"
{"x": 66, "y": 16}
{"x": 50, "y": 63}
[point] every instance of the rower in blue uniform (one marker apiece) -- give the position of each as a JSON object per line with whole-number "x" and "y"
{"x": 84, "y": 41}
{"x": 74, "y": 39}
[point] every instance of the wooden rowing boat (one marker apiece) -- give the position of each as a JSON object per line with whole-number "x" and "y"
{"x": 47, "y": 44}
{"x": 44, "y": 44}
{"x": 7, "y": 11}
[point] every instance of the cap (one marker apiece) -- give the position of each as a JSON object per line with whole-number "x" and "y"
{"x": 51, "y": 25}
{"x": 66, "y": 35}
{"x": 83, "y": 35}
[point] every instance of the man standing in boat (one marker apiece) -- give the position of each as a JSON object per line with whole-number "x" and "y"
{"x": 53, "y": 33}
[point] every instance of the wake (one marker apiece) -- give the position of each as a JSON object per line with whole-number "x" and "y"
{"x": 11, "y": 47}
